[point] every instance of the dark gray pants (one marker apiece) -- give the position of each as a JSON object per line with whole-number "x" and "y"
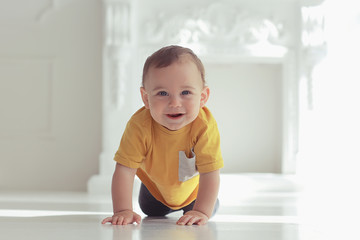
{"x": 154, "y": 208}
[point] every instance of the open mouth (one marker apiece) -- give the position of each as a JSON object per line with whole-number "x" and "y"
{"x": 174, "y": 116}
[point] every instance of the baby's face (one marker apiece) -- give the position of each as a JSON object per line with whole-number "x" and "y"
{"x": 174, "y": 94}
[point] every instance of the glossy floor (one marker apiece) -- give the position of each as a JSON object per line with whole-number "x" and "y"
{"x": 280, "y": 211}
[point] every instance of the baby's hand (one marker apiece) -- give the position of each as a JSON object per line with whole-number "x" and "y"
{"x": 123, "y": 218}
{"x": 193, "y": 217}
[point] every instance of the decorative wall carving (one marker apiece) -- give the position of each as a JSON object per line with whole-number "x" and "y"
{"x": 217, "y": 27}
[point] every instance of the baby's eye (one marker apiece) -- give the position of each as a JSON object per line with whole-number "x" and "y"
{"x": 162, "y": 93}
{"x": 186, "y": 92}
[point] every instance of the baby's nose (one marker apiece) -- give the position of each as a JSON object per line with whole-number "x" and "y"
{"x": 175, "y": 101}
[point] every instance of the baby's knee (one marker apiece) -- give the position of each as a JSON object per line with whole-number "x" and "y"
{"x": 152, "y": 211}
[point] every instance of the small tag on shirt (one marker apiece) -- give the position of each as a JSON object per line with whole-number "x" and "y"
{"x": 187, "y": 166}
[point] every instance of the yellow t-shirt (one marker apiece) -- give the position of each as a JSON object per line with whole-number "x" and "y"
{"x": 169, "y": 162}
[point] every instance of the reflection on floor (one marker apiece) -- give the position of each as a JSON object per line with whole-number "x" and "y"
{"x": 261, "y": 207}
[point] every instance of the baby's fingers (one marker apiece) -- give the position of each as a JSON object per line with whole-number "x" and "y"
{"x": 190, "y": 220}
{"x": 115, "y": 220}
{"x": 106, "y": 220}
{"x": 197, "y": 221}
{"x": 123, "y": 219}
{"x": 201, "y": 221}
{"x": 137, "y": 218}
{"x": 184, "y": 220}
{"x": 120, "y": 220}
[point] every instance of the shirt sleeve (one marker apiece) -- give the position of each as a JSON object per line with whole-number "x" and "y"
{"x": 132, "y": 149}
{"x": 207, "y": 149}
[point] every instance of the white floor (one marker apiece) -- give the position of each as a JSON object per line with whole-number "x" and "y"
{"x": 261, "y": 207}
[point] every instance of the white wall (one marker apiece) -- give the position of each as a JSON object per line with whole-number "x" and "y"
{"x": 50, "y": 93}
{"x": 246, "y": 101}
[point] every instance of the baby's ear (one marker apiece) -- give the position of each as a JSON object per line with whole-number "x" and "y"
{"x": 144, "y": 97}
{"x": 205, "y": 93}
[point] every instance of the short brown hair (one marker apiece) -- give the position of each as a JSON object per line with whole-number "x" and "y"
{"x": 165, "y": 56}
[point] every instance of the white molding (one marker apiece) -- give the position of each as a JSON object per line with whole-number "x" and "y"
{"x": 314, "y": 46}
{"x": 117, "y": 59}
{"x": 290, "y": 118}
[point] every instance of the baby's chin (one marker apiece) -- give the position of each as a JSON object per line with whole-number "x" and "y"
{"x": 176, "y": 127}
{"x": 173, "y": 128}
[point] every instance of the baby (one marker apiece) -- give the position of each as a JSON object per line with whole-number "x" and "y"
{"x": 172, "y": 144}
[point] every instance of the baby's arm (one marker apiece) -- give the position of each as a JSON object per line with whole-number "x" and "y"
{"x": 206, "y": 199}
{"x": 121, "y": 188}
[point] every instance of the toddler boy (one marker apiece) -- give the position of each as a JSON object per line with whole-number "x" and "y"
{"x": 172, "y": 144}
